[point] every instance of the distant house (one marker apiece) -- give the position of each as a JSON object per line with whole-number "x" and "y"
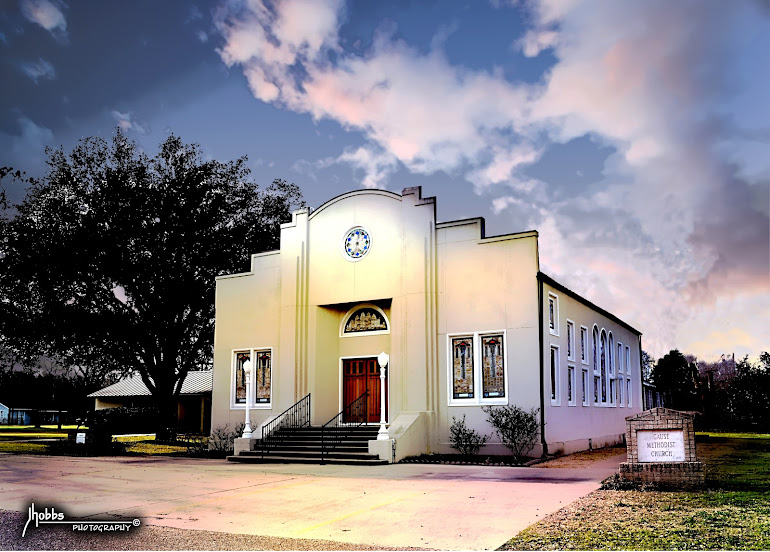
{"x": 193, "y": 408}
{"x": 12, "y": 415}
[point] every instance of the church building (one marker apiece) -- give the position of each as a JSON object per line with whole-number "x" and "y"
{"x": 370, "y": 296}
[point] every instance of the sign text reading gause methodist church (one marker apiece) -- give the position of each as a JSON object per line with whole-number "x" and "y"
{"x": 660, "y": 445}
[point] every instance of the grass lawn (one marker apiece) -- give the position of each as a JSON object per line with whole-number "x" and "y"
{"x": 733, "y": 513}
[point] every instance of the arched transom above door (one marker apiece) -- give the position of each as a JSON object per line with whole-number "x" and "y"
{"x": 364, "y": 319}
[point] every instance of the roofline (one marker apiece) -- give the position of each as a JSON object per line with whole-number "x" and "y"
{"x": 482, "y": 222}
{"x": 372, "y": 191}
{"x": 556, "y": 285}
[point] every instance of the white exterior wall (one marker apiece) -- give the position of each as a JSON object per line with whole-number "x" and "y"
{"x": 487, "y": 285}
{"x": 568, "y": 427}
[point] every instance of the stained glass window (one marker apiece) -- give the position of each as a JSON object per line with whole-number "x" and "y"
{"x": 262, "y": 374}
{"x": 493, "y": 366}
{"x": 462, "y": 367}
{"x": 240, "y": 376}
{"x": 366, "y": 319}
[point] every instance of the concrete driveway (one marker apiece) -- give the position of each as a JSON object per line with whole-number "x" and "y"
{"x": 448, "y": 507}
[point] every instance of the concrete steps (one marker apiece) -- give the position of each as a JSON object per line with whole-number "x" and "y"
{"x": 304, "y": 446}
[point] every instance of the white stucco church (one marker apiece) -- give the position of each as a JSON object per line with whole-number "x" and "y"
{"x": 466, "y": 320}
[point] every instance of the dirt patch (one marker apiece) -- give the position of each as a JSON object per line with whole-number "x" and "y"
{"x": 582, "y": 459}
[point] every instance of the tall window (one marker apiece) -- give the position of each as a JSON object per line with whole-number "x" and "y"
{"x": 585, "y": 387}
{"x": 553, "y": 314}
{"x": 261, "y": 378}
{"x": 492, "y": 362}
{"x": 621, "y": 391}
{"x": 595, "y": 350}
{"x": 583, "y": 344}
{"x": 629, "y": 390}
{"x": 612, "y": 371}
{"x": 603, "y": 366}
{"x": 554, "y": 376}
{"x": 570, "y": 340}
{"x": 477, "y": 368}
{"x": 571, "y": 389}
{"x": 620, "y": 358}
{"x": 628, "y": 360}
{"x": 462, "y": 368}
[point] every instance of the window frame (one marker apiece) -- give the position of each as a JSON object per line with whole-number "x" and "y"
{"x": 553, "y": 299}
{"x": 554, "y": 376}
{"x": 584, "y": 345}
{"x": 478, "y": 372}
{"x": 571, "y": 401}
{"x": 253, "y": 351}
{"x": 570, "y": 340}
{"x": 586, "y": 386}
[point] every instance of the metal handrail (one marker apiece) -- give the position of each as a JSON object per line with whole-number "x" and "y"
{"x": 353, "y": 415}
{"x": 297, "y": 415}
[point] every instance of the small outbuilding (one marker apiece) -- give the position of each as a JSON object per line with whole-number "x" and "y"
{"x": 193, "y": 407}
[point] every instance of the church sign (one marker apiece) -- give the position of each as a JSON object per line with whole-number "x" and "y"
{"x": 661, "y": 449}
{"x": 660, "y": 445}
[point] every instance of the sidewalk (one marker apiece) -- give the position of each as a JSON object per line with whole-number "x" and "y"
{"x": 434, "y": 506}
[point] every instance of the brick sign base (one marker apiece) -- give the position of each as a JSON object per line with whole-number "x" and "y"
{"x": 668, "y": 434}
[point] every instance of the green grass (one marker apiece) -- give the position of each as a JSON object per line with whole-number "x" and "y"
{"x": 720, "y": 435}
{"x": 733, "y": 513}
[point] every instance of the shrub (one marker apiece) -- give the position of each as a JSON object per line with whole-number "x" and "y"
{"x": 518, "y": 429}
{"x": 222, "y": 439}
{"x": 464, "y": 439}
{"x": 115, "y": 421}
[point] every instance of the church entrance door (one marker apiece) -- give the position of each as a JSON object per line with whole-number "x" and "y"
{"x": 358, "y": 376}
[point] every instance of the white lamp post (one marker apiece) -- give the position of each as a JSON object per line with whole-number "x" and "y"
{"x": 383, "y": 359}
{"x": 247, "y": 373}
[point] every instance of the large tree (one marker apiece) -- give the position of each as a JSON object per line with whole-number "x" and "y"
{"x": 677, "y": 380}
{"x": 111, "y": 258}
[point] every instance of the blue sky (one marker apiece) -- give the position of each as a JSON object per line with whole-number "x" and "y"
{"x": 632, "y": 135}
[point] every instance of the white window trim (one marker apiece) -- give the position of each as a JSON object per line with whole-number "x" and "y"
{"x": 354, "y": 310}
{"x": 478, "y": 378}
{"x": 586, "y": 382}
{"x": 555, "y": 330}
{"x": 571, "y": 336}
{"x": 620, "y": 362}
{"x": 554, "y": 384}
{"x": 584, "y": 349}
{"x": 253, "y": 405}
{"x": 621, "y": 392}
{"x": 573, "y": 400}
{"x": 630, "y": 391}
{"x": 628, "y": 360}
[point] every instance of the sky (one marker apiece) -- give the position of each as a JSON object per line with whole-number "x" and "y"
{"x": 633, "y": 136}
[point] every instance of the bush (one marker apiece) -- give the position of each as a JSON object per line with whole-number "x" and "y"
{"x": 518, "y": 429}
{"x": 222, "y": 439}
{"x": 116, "y": 421}
{"x": 464, "y": 439}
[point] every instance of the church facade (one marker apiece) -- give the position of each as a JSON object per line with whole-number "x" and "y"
{"x": 466, "y": 321}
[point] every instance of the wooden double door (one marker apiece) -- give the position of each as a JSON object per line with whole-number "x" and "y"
{"x": 358, "y": 376}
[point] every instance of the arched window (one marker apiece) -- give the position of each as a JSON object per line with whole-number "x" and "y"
{"x": 603, "y": 364}
{"x": 611, "y": 371}
{"x": 364, "y": 320}
{"x": 596, "y": 364}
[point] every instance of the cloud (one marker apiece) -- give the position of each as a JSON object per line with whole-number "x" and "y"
{"x": 47, "y": 14}
{"x": 672, "y": 228}
{"x": 126, "y": 122}
{"x": 40, "y": 69}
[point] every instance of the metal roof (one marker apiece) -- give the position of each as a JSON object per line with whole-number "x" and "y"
{"x": 132, "y": 386}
